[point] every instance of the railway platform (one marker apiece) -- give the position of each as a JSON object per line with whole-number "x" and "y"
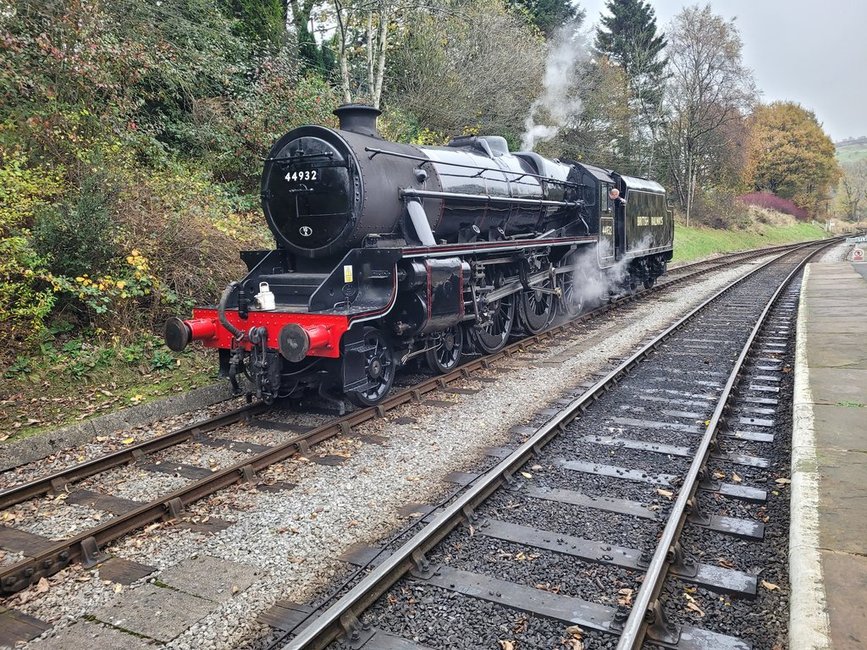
{"x": 828, "y": 542}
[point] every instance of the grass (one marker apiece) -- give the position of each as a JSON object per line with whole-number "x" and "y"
{"x": 695, "y": 243}
{"x": 65, "y": 385}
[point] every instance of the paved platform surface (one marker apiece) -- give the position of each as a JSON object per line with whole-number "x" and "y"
{"x": 828, "y": 543}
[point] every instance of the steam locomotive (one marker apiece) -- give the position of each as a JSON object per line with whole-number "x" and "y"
{"x": 387, "y": 252}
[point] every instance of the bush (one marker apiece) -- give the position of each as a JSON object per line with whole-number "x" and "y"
{"x": 771, "y": 201}
{"x": 78, "y": 237}
{"x": 719, "y": 209}
{"x": 26, "y": 298}
{"x": 231, "y": 136}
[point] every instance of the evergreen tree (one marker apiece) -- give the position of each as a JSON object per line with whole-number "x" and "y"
{"x": 628, "y": 39}
{"x": 548, "y": 15}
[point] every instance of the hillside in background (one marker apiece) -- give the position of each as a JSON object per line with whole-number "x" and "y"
{"x": 852, "y": 149}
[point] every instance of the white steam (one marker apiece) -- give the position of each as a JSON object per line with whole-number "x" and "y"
{"x": 559, "y": 103}
{"x": 592, "y": 285}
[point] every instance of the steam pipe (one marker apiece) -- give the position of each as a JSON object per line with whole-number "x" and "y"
{"x": 221, "y": 310}
{"x": 420, "y": 223}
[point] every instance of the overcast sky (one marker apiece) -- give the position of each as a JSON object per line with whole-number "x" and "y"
{"x": 814, "y": 53}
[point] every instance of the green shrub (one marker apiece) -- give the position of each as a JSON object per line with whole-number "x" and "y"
{"x": 162, "y": 360}
{"x": 26, "y": 299}
{"x": 79, "y": 236}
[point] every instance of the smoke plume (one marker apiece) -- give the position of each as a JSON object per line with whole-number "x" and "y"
{"x": 559, "y": 102}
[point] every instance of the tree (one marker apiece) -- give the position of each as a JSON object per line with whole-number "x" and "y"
{"x": 549, "y": 15}
{"x": 298, "y": 15}
{"x": 790, "y": 155}
{"x": 452, "y": 80}
{"x": 852, "y": 190}
{"x": 595, "y": 136}
{"x": 362, "y": 35}
{"x": 709, "y": 91}
{"x": 628, "y": 38}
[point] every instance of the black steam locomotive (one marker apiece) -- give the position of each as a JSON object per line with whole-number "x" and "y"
{"x": 387, "y": 252}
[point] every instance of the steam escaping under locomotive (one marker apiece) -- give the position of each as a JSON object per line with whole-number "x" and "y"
{"x": 388, "y": 252}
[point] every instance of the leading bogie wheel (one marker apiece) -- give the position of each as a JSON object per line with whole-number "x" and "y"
{"x": 379, "y": 365}
{"x": 445, "y": 353}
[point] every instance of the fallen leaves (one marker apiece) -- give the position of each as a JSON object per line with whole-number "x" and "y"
{"x": 507, "y": 645}
{"x": 736, "y": 478}
{"x": 523, "y": 557}
{"x": 127, "y": 441}
{"x": 574, "y": 638}
{"x": 668, "y": 494}
{"x": 692, "y": 604}
{"x": 770, "y": 586}
{"x": 624, "y": 597}
{"x": 526, "y": 475}
{"x": 42, "y": 586}
{"x": 782, "y": 481}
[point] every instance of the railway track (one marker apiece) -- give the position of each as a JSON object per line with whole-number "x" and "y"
{"x": 675, "y": 438}
{"x": 45, "y": 557}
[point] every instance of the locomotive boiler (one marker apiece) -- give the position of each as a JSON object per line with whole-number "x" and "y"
{"x": 386, "y": 252}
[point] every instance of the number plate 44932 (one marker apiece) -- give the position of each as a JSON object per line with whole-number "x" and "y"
{"x": 306, "y": 175}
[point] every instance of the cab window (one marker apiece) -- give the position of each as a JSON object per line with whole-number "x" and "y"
{"x": 604, "y": 201}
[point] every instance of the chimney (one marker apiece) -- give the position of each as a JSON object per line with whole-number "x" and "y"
{"x": 358, "y": 118}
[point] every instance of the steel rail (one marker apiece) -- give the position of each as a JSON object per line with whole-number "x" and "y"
{"x": 645, "y": 611}
{"x": 57, "y": 481}
{"x": 342, "y": 617}
{"x": 86, "y": 544}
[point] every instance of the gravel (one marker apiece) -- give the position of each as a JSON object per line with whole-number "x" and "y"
{"x": 462, "y": 622}
{"x": 838, "y": 253}
{"x": 295, "y": 536}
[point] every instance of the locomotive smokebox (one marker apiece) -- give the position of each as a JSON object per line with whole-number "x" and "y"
{"x": 358, "y": 118}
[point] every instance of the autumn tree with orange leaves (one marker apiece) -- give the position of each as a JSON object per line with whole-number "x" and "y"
{"x": 789, "y": 154}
